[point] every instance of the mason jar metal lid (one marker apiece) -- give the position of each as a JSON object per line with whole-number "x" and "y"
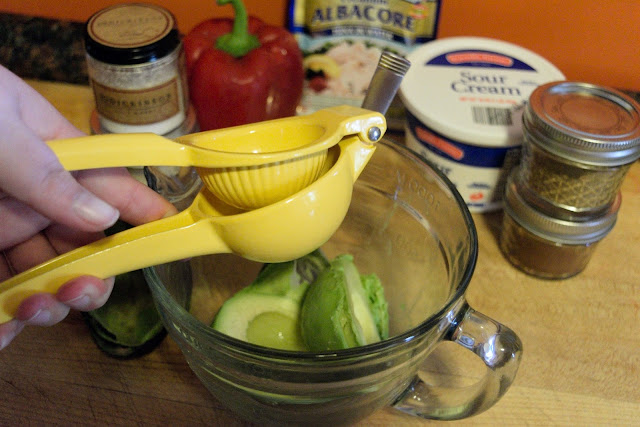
{"x": 584, "y": 123}
{"x": 555, "y": 229}
{"x": 131, "y": 33}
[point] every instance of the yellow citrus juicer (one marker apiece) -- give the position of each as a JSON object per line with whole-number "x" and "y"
{"x": 273, "y": 191}
{"x": 247, "y": 166}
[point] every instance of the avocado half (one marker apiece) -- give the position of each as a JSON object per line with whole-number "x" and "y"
{"x": 267, "y": 311}
{"x": 308, "y": 304}
{"x": 343, "y": 309}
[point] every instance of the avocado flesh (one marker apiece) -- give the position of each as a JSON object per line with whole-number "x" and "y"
{"x": 261, "y": 319}
{"x": 129, "y": 318}
{"x": 276, "y": 330}
{"x": 378, "y": 305}
{"x": 266, "y": 312}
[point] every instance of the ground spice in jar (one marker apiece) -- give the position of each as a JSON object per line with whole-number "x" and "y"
{"x": 579, "y": 189}
{"x": 136, "y": 68}
{"x": 579, "y": 142}
{"x": 545, "y": 246}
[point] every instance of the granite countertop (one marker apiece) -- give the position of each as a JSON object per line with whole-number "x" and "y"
{"x": 43, "y": 49}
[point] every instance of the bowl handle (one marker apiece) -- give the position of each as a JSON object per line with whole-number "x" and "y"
{"x": 499, "y": 348}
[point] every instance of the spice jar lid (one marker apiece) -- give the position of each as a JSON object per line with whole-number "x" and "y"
{"x": 555, "y": 229}
{"x": 132, "y": 33}
{"x": 584, "y": 123}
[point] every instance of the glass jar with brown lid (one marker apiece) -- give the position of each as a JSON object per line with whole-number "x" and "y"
{"x": 136, "y": 66}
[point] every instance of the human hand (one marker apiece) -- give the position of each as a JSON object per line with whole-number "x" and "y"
{"x": 46, "y": 210}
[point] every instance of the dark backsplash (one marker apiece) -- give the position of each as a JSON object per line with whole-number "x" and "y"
{"x": 43, "y": 49}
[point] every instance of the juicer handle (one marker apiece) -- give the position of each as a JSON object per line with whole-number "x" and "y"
{"x": 343, "y": 121}
{"x": 501, "y": 351}
{"x": 253, "y": 144}
{"x": 116, "y": 150}
{"x": 149, "y": 244}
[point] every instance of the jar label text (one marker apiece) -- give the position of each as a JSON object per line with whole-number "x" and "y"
{"x": 138, "y": 107}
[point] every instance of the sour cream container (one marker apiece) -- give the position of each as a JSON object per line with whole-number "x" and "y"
{"x": 464, "y": 98}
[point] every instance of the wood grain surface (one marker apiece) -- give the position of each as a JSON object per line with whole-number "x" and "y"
{"x": 581, "y": 336}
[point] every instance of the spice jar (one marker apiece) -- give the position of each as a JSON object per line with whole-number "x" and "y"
{"x": 545, "y": 246}
{"x": 136, "y": 67}
{"x": 579, "y": 142}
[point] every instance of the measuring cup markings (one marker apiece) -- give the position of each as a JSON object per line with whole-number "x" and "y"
{"x": 185, "y": 336}
{"x": 413, "y": 186}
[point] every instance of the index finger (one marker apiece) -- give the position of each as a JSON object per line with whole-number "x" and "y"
{"x": 137, "y": 203}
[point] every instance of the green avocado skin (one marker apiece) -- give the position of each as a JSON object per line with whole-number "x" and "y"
{"x": 325, "y": 319}
{"x": 343, "y": 309}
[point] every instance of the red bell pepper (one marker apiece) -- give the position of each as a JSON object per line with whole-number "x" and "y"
{"x": 242, "y": 70}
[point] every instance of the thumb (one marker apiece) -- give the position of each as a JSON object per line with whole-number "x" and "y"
{"x": 31, "y": 172}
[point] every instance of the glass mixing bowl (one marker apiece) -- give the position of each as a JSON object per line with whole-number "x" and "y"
{"x": 406, "y": 223}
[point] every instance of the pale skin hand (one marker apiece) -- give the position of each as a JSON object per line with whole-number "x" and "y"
{"x": 46, "y": 211}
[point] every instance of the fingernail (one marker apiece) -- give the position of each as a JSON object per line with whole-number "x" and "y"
{"x": 81, "y": 302}
{"x": 170, "y": 212}
{"x": 6, "y": 339}
{"x": 41, "y": 317}
{"x": 94, "y": 210}
{"x": 9, "y": 332}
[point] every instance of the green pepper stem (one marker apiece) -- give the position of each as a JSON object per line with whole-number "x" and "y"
{"x": 238, "y": 42}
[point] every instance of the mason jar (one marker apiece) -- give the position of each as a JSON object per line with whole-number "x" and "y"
{"x": 547, "y": 246}
{"x": 579, "y": 142}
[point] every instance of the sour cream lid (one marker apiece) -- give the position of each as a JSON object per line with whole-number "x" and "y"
{"x": 473, "y": 89}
